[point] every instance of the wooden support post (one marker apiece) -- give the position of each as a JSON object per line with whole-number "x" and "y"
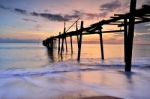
{"x": 76, "y": 25}
{"x": 101, "y": 43}
{"x": 125, "y": 38}
{"x": 66, "y": 44}
{"x": 71, "y": 45}
{"x": 59, "y": 44}
{"x": 80, "y": 41}
{"x": 65, "y": 36}
{"x": 130, "y": 35}
{"x": 62, "y": 46}
{"x": 51, "y": 45}
{"x": 65, "y": 39}
{"x": 77, "y": 34}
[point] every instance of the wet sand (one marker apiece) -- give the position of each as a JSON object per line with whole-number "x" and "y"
{"x": 102, "y": 97}
{"x": 88, "y": 84}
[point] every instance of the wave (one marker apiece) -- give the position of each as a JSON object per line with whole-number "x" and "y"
{"x": 62, "y": 67}
{"x": 55, "y": 68}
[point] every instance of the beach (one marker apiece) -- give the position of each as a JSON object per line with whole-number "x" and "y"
{"x": 84, "y": 82}
{"x": 75, "y": 49}
{"x": 42, "y": 76}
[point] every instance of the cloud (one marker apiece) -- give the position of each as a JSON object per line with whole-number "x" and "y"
{"x": 116, "y": 6}
{"x": 57, "y": 17}
{"x": 53, "y": 17}
{"x": 17, "y": 10}
{"x": 111, "y": 6}
{"x": 49, "y": 16}
{"x": 142, "y": 28}
{"x": 86, "y": 15}
{"x": 94, "y": 15}
{"x": 3, "y": 7}
{"x": 21, "y": 11}
{"x": 34, "y": 14}
{"x": 29, "y": 20}
{"x": 75, "y": 14}
{"x": 106, "y": 10}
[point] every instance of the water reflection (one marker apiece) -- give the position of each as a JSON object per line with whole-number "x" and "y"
{"x": 50, "y": 54}
{"x": 129, "y": 77}
{"x": 53, "y": 56}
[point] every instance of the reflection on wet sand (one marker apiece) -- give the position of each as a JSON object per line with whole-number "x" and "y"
{"x": 89, "y": 84}
{"x": 102, "y": 97}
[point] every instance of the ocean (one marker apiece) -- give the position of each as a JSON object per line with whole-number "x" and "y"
{"x": 35, "y": 55}
{"x": 30, "y": 71}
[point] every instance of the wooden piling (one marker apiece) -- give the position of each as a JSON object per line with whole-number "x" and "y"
{"x": 76, "y": 25}
{"x": 62, "y": 46}
{"x": 77, "y": 34}
{"x": 80, "y": 41}
{"x": 125, "y": 39}
{"x": 65, "y": 38}
{"x": 66, "y": 44}
{"x": 59, "y": 44}
{"x": 71, "y": 45}
{"x": 51, "y": 45}
{"x": 130, "y": 35}
{"x": 101, "y": 43}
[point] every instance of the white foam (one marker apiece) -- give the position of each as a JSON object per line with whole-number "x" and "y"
{"x": 70, "y": 76}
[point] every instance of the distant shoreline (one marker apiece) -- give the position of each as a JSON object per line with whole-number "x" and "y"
{"x": 20, "y": 42}
{"x": 76, "y": 43}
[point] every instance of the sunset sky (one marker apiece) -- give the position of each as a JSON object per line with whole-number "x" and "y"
{"x": 35, "y": 20}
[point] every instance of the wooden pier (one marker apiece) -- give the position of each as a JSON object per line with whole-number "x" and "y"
{"x": 127, "y": 20}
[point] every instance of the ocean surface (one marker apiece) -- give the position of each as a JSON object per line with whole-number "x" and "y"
{"x": 35, "y": 55}
{"x": 30, "y": 71}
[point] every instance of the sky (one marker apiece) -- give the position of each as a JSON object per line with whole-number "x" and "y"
{"x": 35, "y": 20}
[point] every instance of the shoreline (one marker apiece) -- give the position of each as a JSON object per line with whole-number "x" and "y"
{"x": 94, "y": 84}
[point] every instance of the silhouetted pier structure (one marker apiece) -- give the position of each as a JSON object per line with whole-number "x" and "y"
{"x": 127, "y": 20}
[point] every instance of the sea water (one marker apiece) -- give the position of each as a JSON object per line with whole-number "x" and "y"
{"x": 31, "y": 71}
{"x": 35, "y": 55}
